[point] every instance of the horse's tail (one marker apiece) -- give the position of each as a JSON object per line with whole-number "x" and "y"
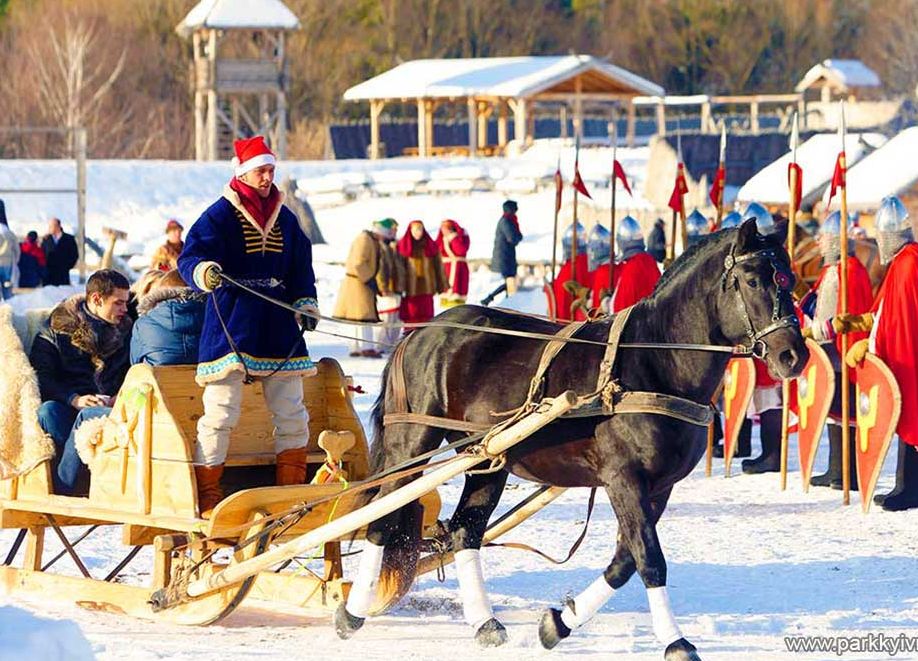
{"x": 403, "y": 543}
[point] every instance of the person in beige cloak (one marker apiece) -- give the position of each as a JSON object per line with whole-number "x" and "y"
{"x": 357, "y": 295}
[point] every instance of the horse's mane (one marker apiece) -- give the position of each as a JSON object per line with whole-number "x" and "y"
{"x": 688, "y": 260}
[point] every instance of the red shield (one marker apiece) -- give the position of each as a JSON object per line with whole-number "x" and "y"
{"x": 879, "y": 404}
{"x": 739, "y": 384}
{"x": 811, "y": 398}
{"x": 551, "y": 304}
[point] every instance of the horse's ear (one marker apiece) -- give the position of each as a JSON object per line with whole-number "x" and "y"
{"x": 745, "y": 239}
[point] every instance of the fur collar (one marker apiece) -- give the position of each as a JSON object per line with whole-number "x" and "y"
{"x": 88, "y": 333}
{"x": 234, "y": 199}
{"x": 157, "y": 296}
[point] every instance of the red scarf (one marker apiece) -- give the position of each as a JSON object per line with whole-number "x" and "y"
{"x": 406, "y": 244}
{"x": 512, "y": 218}
{"x": 260, "y": 208}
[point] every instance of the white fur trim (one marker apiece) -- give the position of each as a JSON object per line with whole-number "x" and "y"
{"x": 587, "y": 603}
{"x": 234, "y": 199}
{"x": 240, "y": 169}
{"x": 476, "y": 607}
{"x": 87, "y": 439}
{"x": 363, "y": 591}
{"x": 664, "y": 624}
{"x": 198, "y": 274}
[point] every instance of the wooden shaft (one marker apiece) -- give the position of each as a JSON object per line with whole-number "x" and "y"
{"x": 785, "y": 385}
{"x": 612, "y": 236}
{"x": 574, "y": 241}
{"x": 376, "y": 509}
{"x": 671, "y": 252}
{"x": 709, "y": 452}
{"x": 845, "y": 386}
{"x": 554, "y": 248}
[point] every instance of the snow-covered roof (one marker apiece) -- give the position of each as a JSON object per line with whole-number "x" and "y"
{"x": 816, "y": 157}
{"x": 890, "y": 170}
{"x": 235, "y": 14}
{"x": 506, "y": 77}
{"x": 842, "y": 74}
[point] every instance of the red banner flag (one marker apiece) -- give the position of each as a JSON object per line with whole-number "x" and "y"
{"x": 798, "y": 193}
{"x": 679, "y": 189}
{"x": 578, "y": 182}
{"x": 717, "y": 186}
{"x": 838, "y": 177}
{"x": 559, "y": 185}
{"x": 618, "y": 172}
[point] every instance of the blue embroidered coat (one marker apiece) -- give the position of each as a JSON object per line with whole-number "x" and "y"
{"x": 276, "y": 260}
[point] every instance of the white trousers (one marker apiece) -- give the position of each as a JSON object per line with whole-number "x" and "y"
{"x": 222, "y": 404}
{"x": 363, "y": 338}
{"x": 388, "y": 307}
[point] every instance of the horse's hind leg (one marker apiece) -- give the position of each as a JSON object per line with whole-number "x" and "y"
{"x": 389, "y": 556}
{"x": 467, "y": 527}
{"x": 558, "y": 624}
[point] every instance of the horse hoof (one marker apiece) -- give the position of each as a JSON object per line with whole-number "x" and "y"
{"x": 491, "y": 634}
{"x": 345, "y": 623}
{"x": 681, "y": 650}
{"x": 552, "y": 629}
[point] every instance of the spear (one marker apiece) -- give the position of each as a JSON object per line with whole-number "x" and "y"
{"x": 841, "y": 167}
{"x": 574, "y": 227}
{"x": 612, "y": 213}
{"x": 559, "y": 183}
{"x": 681, "y": 169}
{"x": 720, "y": 178}
{"x": 793, "y": 184}
{"x": 677, "y": 204}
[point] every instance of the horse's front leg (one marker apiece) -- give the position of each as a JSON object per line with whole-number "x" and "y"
{"x": 467, "y": 525}
{"x": 637, "y": 519}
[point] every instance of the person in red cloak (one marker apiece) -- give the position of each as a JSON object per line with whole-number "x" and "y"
{"x": 453, "y": 244}
{"x": 893, "y": 326}
{"x": 570, "y": 287}
{"x": 820, "y": 306}
{"x": 636, "y": 273}
{"x": 425, "y": 274}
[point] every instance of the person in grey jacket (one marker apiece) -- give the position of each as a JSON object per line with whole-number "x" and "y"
{"x": 9, "y": 256}
{"x": 503, "y": 259}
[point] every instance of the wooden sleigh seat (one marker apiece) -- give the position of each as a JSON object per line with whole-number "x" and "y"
{"x": 142, "y": 473}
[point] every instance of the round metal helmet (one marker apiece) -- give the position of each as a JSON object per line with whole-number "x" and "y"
{"x": 568, "y": 238}
{"x": 764, "y": 221}
{"x": 598, "y": 248}
{"x": 894, "y": 229}
{"x": 732, "y": 219}
{"x": 892, "y": 215}
{"x": 829, "y": 238}
{"x": 696, "y": 226}
{"x": 629, "y": 237}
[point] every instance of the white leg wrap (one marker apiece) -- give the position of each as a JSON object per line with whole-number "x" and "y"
{"x": 587, "y": 604}
{"x": 363, "y": 591}
{"x": 475, "y": 603}
{"x": 664, "y": 624}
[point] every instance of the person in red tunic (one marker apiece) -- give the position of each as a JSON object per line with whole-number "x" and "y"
{"x": 453, "y": 244}
{"x": 636, "y": 272}
{"x": 893, "y": 326}
{"x": 425, "y": 276}
{"x": 820, "y": 306}
{"x": 599, "y": 250}
{"x": 568, "y": 283}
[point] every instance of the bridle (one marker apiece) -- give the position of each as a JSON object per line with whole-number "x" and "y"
{"x": 757, "y": 346}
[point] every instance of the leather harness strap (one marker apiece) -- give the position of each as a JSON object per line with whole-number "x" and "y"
{"x": 606, "y": 400}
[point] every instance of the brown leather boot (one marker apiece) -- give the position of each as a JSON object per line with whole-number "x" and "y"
{"x": 209, "y": 491}
{"x": 291, "y": 467}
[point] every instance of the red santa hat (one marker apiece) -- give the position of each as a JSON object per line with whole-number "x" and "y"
{"x": 251, "y": 153}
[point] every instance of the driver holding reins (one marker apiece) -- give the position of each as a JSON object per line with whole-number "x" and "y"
{"x": 252, "y": 237}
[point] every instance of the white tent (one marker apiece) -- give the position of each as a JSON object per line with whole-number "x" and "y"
{"x": 816, "y": 157}
{"x": 890, "y": 170}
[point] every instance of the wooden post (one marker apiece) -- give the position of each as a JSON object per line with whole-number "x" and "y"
{"x": 422, "y": 128}
{"x": 562, "y": 116}
{"x": 80, "y": 156}
{"x": 472, "y": 106}
{"x": 661, "y": 118}
{"x": 429, "y": 131}
{"x": 578, "y": 110}
{"x": 519, "y": 121}
{"x": 376, "y": 108}
{"x": 212, "y": 96}
{"x": 35, "y": 546}
{"x": 632, "y": 120}
{"x": 281, "y": 102}
{"x": 501, "y": 124}
{"x": 754, "y": 117}
{"x": 484, "y": 112}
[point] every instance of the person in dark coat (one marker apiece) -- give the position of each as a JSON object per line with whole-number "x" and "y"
{"x": 81, "y": 357}
{"x": 31, "y": 262}
{"x": 503, "y": 258}
{"x": 60, "y": 252}
{"x": 168, "y": 328}
{"x": 656, "y": 242}
{"x": 250, "y": 235}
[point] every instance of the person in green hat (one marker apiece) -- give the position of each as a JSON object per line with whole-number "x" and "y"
{"x": 390, "y": 282}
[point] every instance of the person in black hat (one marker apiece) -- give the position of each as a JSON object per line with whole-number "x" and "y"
{"x": 503, "y": 258}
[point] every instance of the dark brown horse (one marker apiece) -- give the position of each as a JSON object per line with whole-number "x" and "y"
{"x": 733, "y": 288}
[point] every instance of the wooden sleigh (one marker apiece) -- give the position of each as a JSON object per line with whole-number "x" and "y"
{"x": 142, "y": 479}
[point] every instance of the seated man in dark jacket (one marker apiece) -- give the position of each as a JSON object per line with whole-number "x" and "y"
{"x": 168, "y": 328}
{"x": 81, "y": 358}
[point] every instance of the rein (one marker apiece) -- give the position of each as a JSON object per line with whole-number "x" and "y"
{"x": 546, "y": 337}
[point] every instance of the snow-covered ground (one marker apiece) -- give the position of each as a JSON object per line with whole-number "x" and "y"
{"x": 748, "y": 564}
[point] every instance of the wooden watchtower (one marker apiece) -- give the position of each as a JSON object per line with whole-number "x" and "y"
{"x": 240, "y": 73}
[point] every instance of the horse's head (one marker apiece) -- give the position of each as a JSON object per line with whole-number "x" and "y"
{"x": 755, "y": 305}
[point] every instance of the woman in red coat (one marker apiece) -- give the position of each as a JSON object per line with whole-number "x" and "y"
{"x": 453, "y": 243}
{"x": 425, "y": 276}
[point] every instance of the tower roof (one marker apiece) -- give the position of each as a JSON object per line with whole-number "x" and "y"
{"x": 238, "y": 14}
